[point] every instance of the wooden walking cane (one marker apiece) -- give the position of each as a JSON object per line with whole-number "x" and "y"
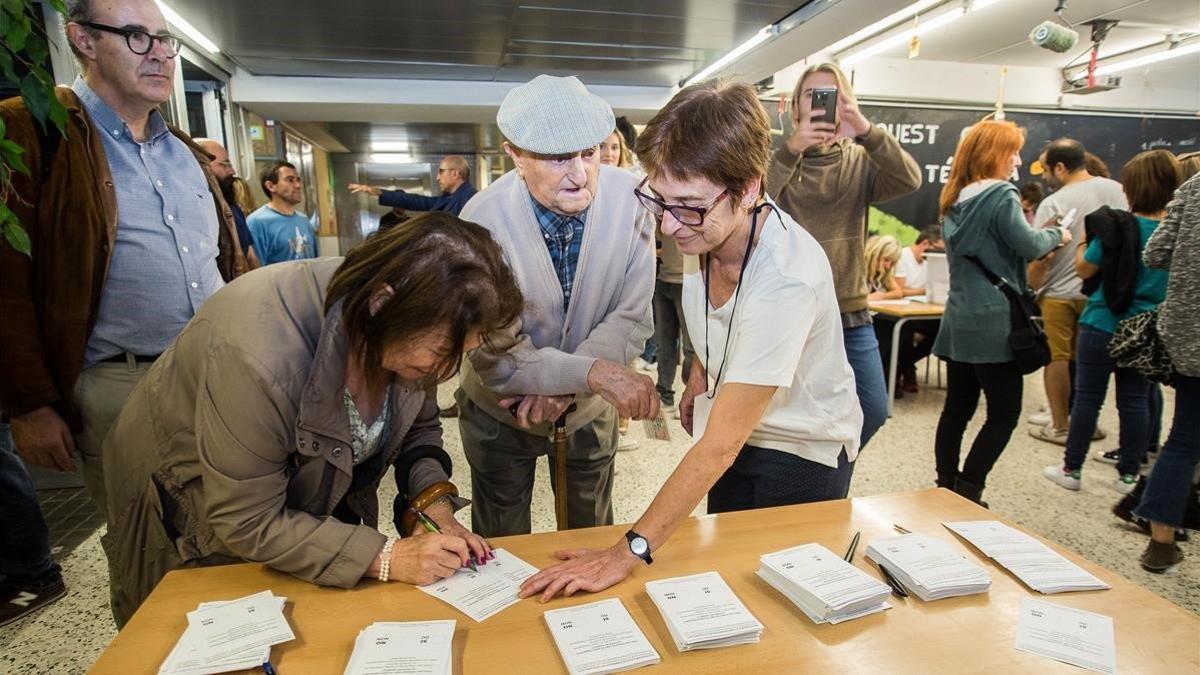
{"x": 560, "y": 467}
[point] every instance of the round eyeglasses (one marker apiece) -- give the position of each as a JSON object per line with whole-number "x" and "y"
{"x": 139, "y": 41}
{"x": 692, "y": 216}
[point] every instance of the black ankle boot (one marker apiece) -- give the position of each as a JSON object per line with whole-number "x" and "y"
{"x": 969, "y": 490}
{"x": 946, "y": 481}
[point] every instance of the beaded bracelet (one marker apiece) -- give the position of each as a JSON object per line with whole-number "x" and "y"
{"x": 385, "y": 559}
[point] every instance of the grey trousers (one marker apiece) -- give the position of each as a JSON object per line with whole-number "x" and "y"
{"x": 100, "y": 393}
{"x": 503, "y": 460}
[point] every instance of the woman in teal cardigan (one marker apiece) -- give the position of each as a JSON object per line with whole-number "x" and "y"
{"x": 982, "y": 217}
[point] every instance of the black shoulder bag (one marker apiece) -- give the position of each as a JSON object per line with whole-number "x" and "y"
{"x": 1026, "y": 339}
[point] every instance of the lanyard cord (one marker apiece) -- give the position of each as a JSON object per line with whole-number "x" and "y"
{"x": 712, "y": 393}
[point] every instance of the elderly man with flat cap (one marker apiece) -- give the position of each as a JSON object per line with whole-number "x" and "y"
{"x": 583, "y": 253}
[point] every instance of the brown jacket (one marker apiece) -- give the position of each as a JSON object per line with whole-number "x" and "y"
{"x": 50, "y": 301}
{"x": 236, "y": 445}
{"x": 829, "y": 192}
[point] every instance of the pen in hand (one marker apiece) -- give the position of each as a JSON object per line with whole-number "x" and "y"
{"x": 433, "y": 527}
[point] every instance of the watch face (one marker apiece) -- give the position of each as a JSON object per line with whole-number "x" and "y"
{"x": 639, "y": 546}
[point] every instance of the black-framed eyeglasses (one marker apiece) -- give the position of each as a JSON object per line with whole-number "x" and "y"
{"x": 692, "y": 216}
{"x": 139, "y": 41}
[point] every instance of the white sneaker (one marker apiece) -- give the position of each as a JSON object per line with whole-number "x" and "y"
{"x": 1049, "y": 434}
{"x": 1125, "y": 483}
{"x": 1040, "y": 419}
{"x": 643, "y": 365}
{"x": 626, "y": 443}
{"x": 1058, "y": 474}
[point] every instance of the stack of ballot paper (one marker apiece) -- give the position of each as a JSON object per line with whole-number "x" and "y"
{"x": 1067, "y": 634}
{"x": 825, "y": 587}
{"x": 408, "y": 647}
{"x": 701, "y": 612}
{"x": 599, "y": 637}
{"x": 928, "y": 567}
{"x": 229, "y": 635}
{"x": 1031, "y": 561}
{"x": 484, "y": 593}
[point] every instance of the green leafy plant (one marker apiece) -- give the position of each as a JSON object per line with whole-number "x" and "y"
{"x": 23, "y": 50}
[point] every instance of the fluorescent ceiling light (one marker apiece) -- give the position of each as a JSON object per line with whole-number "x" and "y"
{"x": 1182, "y": 50}
{"x": 389, "y": 158}
{"x": 881, "y": 25}
{"x": 903, "y": 37}
{"x": 188, "y": 29}
{"x": 758, "y": 38}
{"x": 389, "y": 146}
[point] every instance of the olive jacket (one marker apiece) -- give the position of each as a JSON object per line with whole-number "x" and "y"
{"x": 236, "y": 445}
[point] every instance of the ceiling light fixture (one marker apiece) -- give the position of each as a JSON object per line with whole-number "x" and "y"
{"x": 880, "y": 26}
{"x": 902, "y": 37}
{"x": 1181, "y": 50}
{"x": 188, "y": 29}
{"x": 389, "y": 158}
{"x": 390, "y": 146}
{"x": 765, "y": 33}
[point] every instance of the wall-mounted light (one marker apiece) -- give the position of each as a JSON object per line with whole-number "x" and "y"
{"x": 188, "y": 29}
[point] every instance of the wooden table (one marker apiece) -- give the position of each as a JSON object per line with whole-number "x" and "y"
{"x": 903, "y": 313}
{"x": 968, "y": 634}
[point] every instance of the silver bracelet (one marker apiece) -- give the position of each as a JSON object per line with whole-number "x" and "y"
{"x": 385, "y": 559}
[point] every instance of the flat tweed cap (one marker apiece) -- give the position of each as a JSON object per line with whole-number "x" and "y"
{"x": 554, "y": 116}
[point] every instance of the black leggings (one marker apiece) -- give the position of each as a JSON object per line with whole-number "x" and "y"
{"x": 1002, "y": 384}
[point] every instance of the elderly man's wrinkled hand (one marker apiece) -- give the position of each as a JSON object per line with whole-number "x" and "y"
{"x": 534, "y": 410}
{"x": 632, "y": 393}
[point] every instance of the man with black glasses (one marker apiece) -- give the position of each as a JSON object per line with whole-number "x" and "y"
{"x": 130, "y": 235}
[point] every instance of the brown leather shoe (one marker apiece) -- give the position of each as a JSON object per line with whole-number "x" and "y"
{"x": 451, "y": 411}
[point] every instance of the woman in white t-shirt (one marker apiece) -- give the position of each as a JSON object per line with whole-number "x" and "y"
{"x": 771, "y": 397}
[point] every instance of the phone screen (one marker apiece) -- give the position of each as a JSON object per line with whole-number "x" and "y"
{"x": 825, "y": 98}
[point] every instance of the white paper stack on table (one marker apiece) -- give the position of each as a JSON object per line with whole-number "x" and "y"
{"x": 408, "y": 647}
{"x": 702, "y": 612}
{"x": 1066, "y": 634}
{"x": 825, "y": 587}
{"x": 484, "y": 593}
{"x": 229, "y": 635}
{"x": 1031, "y": 561}
{"x": 599, "y": 637}
{"x": 930, "y": 568}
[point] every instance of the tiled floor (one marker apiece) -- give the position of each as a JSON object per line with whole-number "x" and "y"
{"x": 71, "y": 516}
{"x": 67, "y": 636}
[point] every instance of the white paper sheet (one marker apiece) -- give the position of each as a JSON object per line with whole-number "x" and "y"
{"x": 1035, "y": 564}
{"x": 1069, "y": 635}
{"x": 599, "y": 637}
{"x": 408, "y": 648}
{"x": 482, "y": 594}
{"x": 702, "y": 612}
{"x": 190, "y": 656}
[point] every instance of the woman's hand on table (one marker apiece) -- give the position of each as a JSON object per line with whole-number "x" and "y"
{"x": 584, "y": 570}
{"x": 442, "y": 514}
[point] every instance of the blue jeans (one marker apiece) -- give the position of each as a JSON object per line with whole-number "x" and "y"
{"x": 1093, "y": 367}
{"x": 862, "y": 350}
{"x": 25, "y": 558}
{"x": 761, "y": 477}
{"x": 1170, "y": 483}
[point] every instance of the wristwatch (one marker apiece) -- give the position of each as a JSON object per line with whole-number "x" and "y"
{"x": 639, "y": 546}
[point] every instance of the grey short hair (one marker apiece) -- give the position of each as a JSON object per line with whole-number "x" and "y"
{"x": 78, "y": 11}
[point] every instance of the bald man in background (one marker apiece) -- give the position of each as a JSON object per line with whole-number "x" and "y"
{"x": 223, "y": 170}
{"x": 454, "y": 178}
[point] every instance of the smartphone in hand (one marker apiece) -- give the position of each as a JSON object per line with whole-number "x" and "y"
{"x": 825, "y": 98}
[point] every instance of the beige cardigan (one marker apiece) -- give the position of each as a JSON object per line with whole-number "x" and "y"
{"x": 550, "y": 352}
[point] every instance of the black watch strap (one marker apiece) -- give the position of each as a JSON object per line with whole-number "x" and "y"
{"x": 639, "y": 546}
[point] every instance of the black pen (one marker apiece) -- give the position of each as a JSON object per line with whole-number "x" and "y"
{"x": 853, "y": 546}
{"x": 897, "y": 589}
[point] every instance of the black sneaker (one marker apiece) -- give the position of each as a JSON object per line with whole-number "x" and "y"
{"x": 1113, "y": 456}
{"x": 1159, "y": 558}
{"x": 18, "y": 601}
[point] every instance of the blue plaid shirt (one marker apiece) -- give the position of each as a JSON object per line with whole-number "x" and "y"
{"x": 564, "y": 237}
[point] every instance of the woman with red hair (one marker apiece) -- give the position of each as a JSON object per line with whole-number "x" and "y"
{"x": 982, "y": 220}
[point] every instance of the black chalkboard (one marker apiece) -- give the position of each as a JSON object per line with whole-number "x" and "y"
{"x": 930, "y": 135}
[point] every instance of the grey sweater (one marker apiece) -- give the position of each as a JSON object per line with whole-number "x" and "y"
{"x": 549, "y": 351}
{"x": 1175, "y": 245}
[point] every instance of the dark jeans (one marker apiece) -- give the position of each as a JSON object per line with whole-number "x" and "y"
{"x": 1002, "y": 384}
{"x": 862, "y": 350}
{"x": 1170, "y": 483}
{"x": 760, "y": 478}
{"x": 670, "y": 332}
{"x": 1093, "y": 367}
{"x": 911, "y": 351}
{"x": 25, "y": 558}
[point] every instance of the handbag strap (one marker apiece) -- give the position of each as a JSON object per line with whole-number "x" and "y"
{"x": 999, "y": 282}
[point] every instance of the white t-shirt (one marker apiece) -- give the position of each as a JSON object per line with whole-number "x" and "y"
{"x": 1062, "y": 281}
{"x": 912, "y": 271}
{"x": 787, "y": 334}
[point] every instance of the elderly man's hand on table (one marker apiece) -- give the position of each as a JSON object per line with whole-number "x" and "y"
{"x": 584, "y": 570}
{"x": 632, "y": 393}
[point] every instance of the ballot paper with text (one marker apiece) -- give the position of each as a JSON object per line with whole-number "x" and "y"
{"x": 1066, "y": 634}
{"x": 599, "y": 637}
{"x": 482, "y": 594}
{"x": 403, "y": 648}
{"x": 702, "y": 612}
{"x": 229, "y": 635}
{"x": 823, "y": 585}
{"x": 1035, "y": 564}
{"x": 931, "y": 568}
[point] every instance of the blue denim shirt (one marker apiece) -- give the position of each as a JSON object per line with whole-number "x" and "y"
{"x": 564, "y": 238}
{"x": 164, "y": 263}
